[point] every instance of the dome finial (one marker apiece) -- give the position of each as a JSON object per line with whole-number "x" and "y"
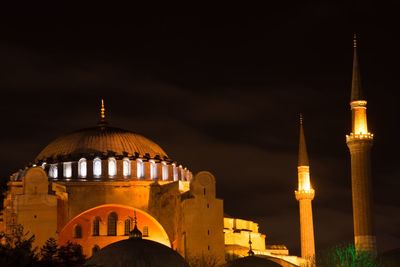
{"x": 102, "y": 111}
{"x": 135, "y": 233}
{"x": 250, "y": 252}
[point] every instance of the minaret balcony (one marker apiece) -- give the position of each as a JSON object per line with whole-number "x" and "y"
{"x": 305, "y": 194}
{"x": 360, "y": 136}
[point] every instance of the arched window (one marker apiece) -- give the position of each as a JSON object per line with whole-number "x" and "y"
{"x": 96, "y": 226}
{"x": 164, "y": 170}
{"x": 112, "y": 167}
{"x": 174, "y": 172}
{"x": 82, "y": 168}
{"x": 97, "y": 167}
{"x": 67, "y": 169}
{"x": 153, "y": 169}
{"x": 53, "y": 171}
{"x": 112, "y": 224}
{"x": 126, "y": 167}
{"x": 140, "y": 168}
{"x": 127, "y": 226}
{"x": 78, "y": 231}
{"x": 95, "y": 249}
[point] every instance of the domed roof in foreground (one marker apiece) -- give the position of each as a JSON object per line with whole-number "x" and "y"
{"x": 137, "y": 252}
{"x": 252, "y": 261}
{"x": 100, "y": 140}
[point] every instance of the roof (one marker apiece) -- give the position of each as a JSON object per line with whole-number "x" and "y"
{"x": 136, "y": 252}
{"x": 100, "y": 140}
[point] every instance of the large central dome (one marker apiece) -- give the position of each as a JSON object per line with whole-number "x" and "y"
{"x": 100, "y": 140}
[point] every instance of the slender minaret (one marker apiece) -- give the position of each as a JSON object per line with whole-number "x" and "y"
{"x": 360, "y": 142}
{"x": 305, "y": 194}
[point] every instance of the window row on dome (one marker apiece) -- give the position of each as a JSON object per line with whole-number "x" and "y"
{"x": 112, "y": 229}
{"x": 113, "y": 168}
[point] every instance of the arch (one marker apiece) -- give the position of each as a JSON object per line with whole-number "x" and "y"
{"x": 140, "y": 168}
{"x": 67, "y": 169}
{"x": 82, "y": 168}
{"x": 153, "y": 169}
{"x": 85, "y": 219}
{"x": 78, "y": 231}
{"x": 112, "y": 167}
{"x": 96, "y": 167}
{"x": 164, "y": 171}
{"x": 53, "y": 171}
{"x": 96, "y": 226}
{"x": 127, "y": 226}
{"x": 126, "y": 167}
{"x": 112, "y": 221}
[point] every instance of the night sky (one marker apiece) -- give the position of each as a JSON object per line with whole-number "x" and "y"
{"x": 220, "y": 92}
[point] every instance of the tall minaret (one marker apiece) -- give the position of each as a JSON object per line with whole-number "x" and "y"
{"x": 360, "y": 142}
{"x": 305, "y": 194}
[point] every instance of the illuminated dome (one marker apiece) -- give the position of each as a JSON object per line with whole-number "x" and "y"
{"x": 137, "y": 252}
{"x": 100, "y": 140}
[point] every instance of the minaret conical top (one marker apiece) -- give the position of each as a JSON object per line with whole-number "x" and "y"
{"x": 356, "y": 92}
{"x": 303, "y": 155}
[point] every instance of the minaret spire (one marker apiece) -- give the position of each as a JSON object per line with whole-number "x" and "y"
{"x": 305, "y": 194}
{"x": 135, "y": 233}
{"x": 303, "y": 156}
{"x": 250, "y": 252}
{"x": 356, "y": 92}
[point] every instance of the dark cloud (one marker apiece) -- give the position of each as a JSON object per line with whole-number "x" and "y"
{"x": 220, "y": 93}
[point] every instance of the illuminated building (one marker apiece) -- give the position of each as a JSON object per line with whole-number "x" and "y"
{"x": 305, "y": 194}
{"x": 360, "y": 143}
{"x": 84, "y": 187}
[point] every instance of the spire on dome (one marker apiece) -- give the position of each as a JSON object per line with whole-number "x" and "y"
{"x": 356, "y": 92}
{"x": 102, "y": 111}
{"x": 135, "y": 233}
{"x": 303, "y": 156}
{"x": 250, "y": 252}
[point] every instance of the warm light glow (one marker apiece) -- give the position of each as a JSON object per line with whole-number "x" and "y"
{"x": 164, "y": 171}
{"x": 82, "y": 168}
{"x": 153, "y": 169}
{"x": 304, "y": 178}
{"x": 67, "y": 169}
{"x": 140, "y": 168}
{"x": 360, "y": 120}
{"x": 53, "y": 172}
{"x": 174, "y": 172}
{"x": 112, "y": 167}
{"x": 126, "y": 167}
{"x": 97, "y": 167}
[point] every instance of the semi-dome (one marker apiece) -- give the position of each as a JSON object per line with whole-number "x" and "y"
{"x": 137, "y": 252}
{"x": 100, "y": 140}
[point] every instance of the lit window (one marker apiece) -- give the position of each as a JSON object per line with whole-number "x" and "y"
{"x": 97, "y": 167}
{"x": 78, "y": 231}
{"x": 126, "y": 167}
{"x": 140, "y": 168}
{"x": 112, "y": 167}
{"x": 67, "y": 169}
{"x": 112, "y": 224}
{"x": 53, "y": 172}
{"x": 127, "y": 226}
{"x": 96, "y": 226}
{"x": 174, "y": 172}
{"x": 153, "y": 169}
{"x": 82, "y": 168}
{"x": 164, "y": 171}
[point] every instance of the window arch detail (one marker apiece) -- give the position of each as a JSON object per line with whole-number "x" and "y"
{"x": 96, "y": 226}
{"x": 127, "y": 228}
{"x": 97, "y": 167}
{"x": 112, "y": 224}
{"x": 140, "y": 168}
{"x": 82, "y": 168}
{"x": 78, "y": 231}
{"x": 126, "y": 167}
{"x": 112, "y": 167}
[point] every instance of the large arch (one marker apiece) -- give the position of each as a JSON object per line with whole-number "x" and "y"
{"x": 89, "y": 240}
